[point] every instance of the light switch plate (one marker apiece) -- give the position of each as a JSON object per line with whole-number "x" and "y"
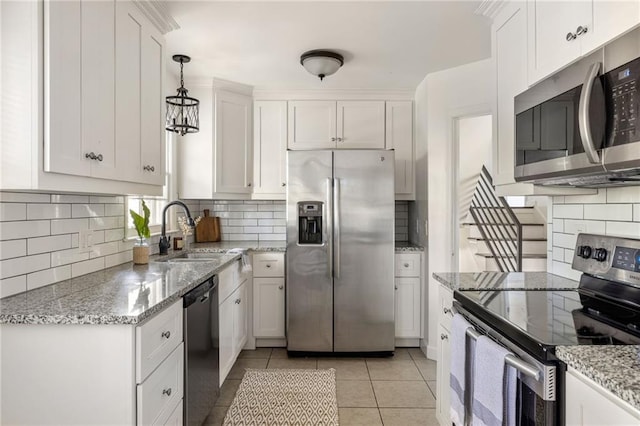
{"x": 85, "y": 240}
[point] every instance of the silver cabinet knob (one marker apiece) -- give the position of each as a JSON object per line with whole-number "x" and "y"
{"x": 396, "y": 287}
{"x": 284, "y": 184}
{"x": 99, "y": 157}
{"x": 149, "y": 168}
{"x": 166, "y": 391}
{"x": 406, "y": 265}
{"x": 238, "y": 301}
{"x": 166, "y": 334}
{"x": 581, "y": 30}
{"x": 249, "y": 184}
{"x": 268, "y": 265}
{"x": 447, "y": 311}
{"x": 340, "y": 139}
{"x": 333, "y": 139}
{"x": 444, "y": 337}
{"x": 571, "y": 36}
{"x": 280, "y": 287}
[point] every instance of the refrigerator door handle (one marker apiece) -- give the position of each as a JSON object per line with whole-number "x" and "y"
{"x": 336, "y": 226}
{"x": 329, "y": 225}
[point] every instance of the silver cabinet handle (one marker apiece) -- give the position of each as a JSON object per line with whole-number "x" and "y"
{"x": 280, "y": 287}
{"x": 249, "y": 184}
{"x": 581, "y": 30}
{"x": 268, "y": 265}
{"x": 166, "y": 334}
{"x": 238, "y": 301}
{"x": 571, "y": 36}
{"x": 99, "y": 157}
{"x": 444, "y": 337}
{"x": 149, "y": 168}
{"x": 284, "y": 184}
{"x": 583, "y": 113}
{"x": 447, "y": 311}
{"x": 333, "y": 139}
{"x": 340, "y": 139}
{"x": 90, "y": 155}
{"x": 406, "y": 265}
{"x": 166, "y": 392}
{"x": 336, "y": 226}
{"x": 396, "y": 287}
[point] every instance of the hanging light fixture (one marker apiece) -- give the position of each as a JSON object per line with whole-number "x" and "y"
{"x": 321, "y": 63}
{"x": 182, "y": 110}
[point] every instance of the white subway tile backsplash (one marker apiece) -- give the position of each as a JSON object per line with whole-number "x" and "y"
{"x": 568, "y": 211}
{"x": 113, "y": 235}
{"x": 68, "y": 226}
{"x": 89, "y": 210}
{"x": 13, "y": 248}
{"x": 600, "y": 197}
{"x": 23, "y": 197}
{"x": 26, "y": 229}
{"x": 279, "y": 229}
{"x": 243, "y": 208}
{"x": 13, "y": 285}
{"x": 572, "y": 226}
{"x": 13, "y": 211}
{"x": 104, "y": 200}
{"x": 99, "y": 223}
{"x": 65, "y": 198}
{"x": 65, "y": 257}
{"x": 48, "y": 244}
{"x": 568, "y": 255}
{"x": 620, "y": 212}
{"x": 624, "y": 229}
{"x": 258, "y": 230}
{"x": 259, "y": 215}
{"x": 114, "y": 209}
{"x": 243, "y": 222}
{"x": 104, "y": 249}
{"x": 558, "y": 225}
{"x": 564, "y": 240}
{"x": 118, "y": 258}
{"x": 636, "y": 212}
{"x": 48, "y": 211}
{"x": 629, "y": 194}
{"x": 86, "y": 267}
{"x": 280, "y": 215}
{"x": 48, "y": 276}
{"x": 272, "y": 237}
{"x": 23, "y": 265}
{"x": 558, "y": 253}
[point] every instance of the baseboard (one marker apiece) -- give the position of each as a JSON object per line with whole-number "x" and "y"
{"x": 407, "y": 343}
{"x": 271, "y": 343}
{"x": 431, "y": 351}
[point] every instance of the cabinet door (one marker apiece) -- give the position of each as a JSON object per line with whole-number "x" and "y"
{"x": 407, "y": 307}
{"x": 399, "y": 133}
{"x": 442, "y": 372}
{"x": 269, "y": 148}
{"x": 152, "y": 138}
{"x": 610, "y": 19}
{"x": 233, "y": 164}
{"x": 98, "y": 86}
{"x": 128, "y": 89}
{"x": 549, "y": 23}
{"x": 510, "y": 47}
{"x": 361, "y": 124}
{"x": 268, "y": 307}
{"x": 226, "y": 316}
{"x": 64, "y": 151}
{"x": 312, "y": 125}
{"x": 240, "y": 329}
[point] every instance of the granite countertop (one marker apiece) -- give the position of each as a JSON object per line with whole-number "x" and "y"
{"x": 124, "y": 294}
{"x": 405, "y": 246}
{"x": 615, "y": 368}
{"x": 504, "y": 281}
{"x": 224, "y": 246}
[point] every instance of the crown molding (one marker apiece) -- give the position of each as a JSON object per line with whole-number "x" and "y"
{"x": 489, "y": 8}
{"x": 156, "y": 11}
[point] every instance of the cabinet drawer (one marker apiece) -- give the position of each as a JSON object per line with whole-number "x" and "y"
{"x": 445, "y": 314}
{"x": 156, "y": 338}
{"x": 268, "y": 265}
{"x": 160, "y": 392}
{"x": 228, "y": 280}
{"x": 408, "y": 265}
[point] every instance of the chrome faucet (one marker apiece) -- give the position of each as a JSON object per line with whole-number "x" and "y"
{"x": 164, "y": 240}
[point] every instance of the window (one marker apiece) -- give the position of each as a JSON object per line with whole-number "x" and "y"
{"x": 157, "y": 204}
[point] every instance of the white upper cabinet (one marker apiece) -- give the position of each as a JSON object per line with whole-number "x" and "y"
{"x": 233, "y": 147}
{"x": 399, "y": 137}
{"x": 561, "y": 32}
{"x": 269, "y": 149}
{"x": 99, "y": 85}
{"x": 331, "y": 124}
{"x": 217, "y": 162}
{"x": 312, "y": 124}
{"x": 360, "y": 124}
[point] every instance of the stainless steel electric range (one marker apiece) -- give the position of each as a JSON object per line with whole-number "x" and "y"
{"x": 604, "y": 310}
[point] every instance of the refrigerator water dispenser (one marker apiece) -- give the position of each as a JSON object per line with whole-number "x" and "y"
{"x": 310, "y": 223}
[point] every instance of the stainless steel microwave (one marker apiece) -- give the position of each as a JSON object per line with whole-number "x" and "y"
{"x": 580, "y": 126}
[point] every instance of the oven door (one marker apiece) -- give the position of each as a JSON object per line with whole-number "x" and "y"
{"x": 538, "y": 401}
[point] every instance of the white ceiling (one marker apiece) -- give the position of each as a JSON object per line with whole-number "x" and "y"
{"x": 387, "y": 45}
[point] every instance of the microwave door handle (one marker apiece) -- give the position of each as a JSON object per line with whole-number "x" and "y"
{"x": 583, "y": 114}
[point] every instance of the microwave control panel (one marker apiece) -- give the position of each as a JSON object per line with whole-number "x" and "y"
{"x": 623, "y": 85}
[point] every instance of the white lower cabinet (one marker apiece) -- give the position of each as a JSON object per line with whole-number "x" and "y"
{"x": 444, "y": 355}
{"x": 94, "y": 374}
{"x": 268, "y": 296}
{"x": 589, "y": 404}
{"x": 233, "y": 316}
{"x": 408, "y": 298}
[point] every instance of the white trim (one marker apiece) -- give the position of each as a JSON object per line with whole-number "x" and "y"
{"x": 157, "y": 12}
{"x": 489, "y": 8}
{"x": 346, "y": 94}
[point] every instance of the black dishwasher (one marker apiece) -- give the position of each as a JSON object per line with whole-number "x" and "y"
{"x": 201, "y": 345}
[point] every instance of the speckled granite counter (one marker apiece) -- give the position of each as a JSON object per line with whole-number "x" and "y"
{"x": 224, "y": 246}
{"x": 504, "y": 281}
{"x": 615, "y": 368}
{"x": 404, "y": 246}
{"x": 125, "y": 294}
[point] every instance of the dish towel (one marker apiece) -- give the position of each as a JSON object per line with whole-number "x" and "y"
{"x": 246, "y": 260}
{"x": 494, "y": 385}
{"x": 459, "y": 355}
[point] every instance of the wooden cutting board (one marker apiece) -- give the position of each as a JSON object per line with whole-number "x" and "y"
{"x": 208, "y": 229}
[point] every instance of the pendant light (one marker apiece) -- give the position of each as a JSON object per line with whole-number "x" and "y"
{"x": 321, "y": 63}
{"x": 182, "y": 110}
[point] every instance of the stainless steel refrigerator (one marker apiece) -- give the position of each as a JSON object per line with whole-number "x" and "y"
{"x": 340, "y": 251}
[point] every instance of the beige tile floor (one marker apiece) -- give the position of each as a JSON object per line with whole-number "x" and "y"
{"x": 371, "y": 391}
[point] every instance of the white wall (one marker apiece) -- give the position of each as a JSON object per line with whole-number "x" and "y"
{"x": 441, "y": 98}
{"x": 612, "y": 211}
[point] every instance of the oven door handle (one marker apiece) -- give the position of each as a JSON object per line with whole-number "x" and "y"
{"x": 584, "y": 122}
{"x": 512, "y": 360}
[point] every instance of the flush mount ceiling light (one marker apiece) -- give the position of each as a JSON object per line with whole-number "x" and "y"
{"x": 182, "y": 110}
{"x": 321, "y": 63}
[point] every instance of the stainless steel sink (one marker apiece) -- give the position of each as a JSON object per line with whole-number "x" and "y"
{"x": 195, "y": 257}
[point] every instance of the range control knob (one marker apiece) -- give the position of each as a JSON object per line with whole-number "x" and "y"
{"x": 600, "y": 254}
{"x": 584, "y": 252}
